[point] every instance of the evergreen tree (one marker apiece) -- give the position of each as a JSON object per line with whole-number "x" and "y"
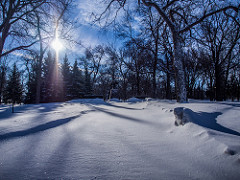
{"x": 87, "y": 83}
{"x": 77, "y": 90}
{"x": 13, "y": 91}
{"x": 66, "y": 74}
{"x": 47, "y": 88}
{"x": 31, "y": 84}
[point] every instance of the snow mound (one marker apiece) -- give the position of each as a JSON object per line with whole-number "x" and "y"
{"x": 204, "y": 119}
{"x": 134, "y": 100}
{"x": 95, "y": 101}
{"x": 229, "y": 151}
{"x": 115, "y": 100}
{"x": 181, "y": 115}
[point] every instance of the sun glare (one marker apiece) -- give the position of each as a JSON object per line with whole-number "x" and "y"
{"x": 57, "y": 45}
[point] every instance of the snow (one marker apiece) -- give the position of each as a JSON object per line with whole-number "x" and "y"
{"x": 93, "y": 139}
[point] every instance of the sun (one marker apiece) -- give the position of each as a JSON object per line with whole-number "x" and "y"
{"x": 56, "y": 44}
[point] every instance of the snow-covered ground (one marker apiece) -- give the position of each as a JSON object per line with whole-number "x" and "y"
{"x": 92, "y": 139}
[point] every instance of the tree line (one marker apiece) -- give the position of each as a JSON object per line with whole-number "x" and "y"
{"x": 59, "y": 82}
{"x": 105, "y": 71}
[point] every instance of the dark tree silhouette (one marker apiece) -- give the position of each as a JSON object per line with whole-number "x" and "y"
{"x": 13, "y": 91}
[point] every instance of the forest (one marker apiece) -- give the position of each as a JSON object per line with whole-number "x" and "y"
{"x": 165, "y": 48}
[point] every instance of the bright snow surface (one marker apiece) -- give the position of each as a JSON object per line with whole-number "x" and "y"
{"x": 93, "y": 139}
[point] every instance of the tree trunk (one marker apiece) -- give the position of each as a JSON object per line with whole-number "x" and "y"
{"x": 2, "y": 83}
{"x": 238, "y": 93}
{"x": 168, "y": 85}
{"x": 179, "y": 69}
{"x": 39, "y": 68}
{"x": 154, "y": 83}
{"x": 39, "y": 72}
{"x": 12, "y": 107}
{"x": 138, "y": 84}
{"x": 218, "y": 83}
{"x": 3, "y": 37}
{"x": 155, "y": 63}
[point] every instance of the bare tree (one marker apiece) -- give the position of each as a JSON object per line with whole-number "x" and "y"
{"x": 180, "y": 17}
{"x": 95, "y": 57}
{"x": 220, "y": 38}
{"x": 14, "y": 13}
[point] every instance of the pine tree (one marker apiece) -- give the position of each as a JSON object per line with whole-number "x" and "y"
{"x": 31, "y": 84}
{"x": 13, "y": 91}
{"x": 66, "y": 74}
{"x": 77, "y": 90}
{"x": 47, "y": 88}
{"x": 87, "y": 83}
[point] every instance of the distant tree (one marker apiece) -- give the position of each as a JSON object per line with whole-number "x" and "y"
{"x": 221, "y": 39}
{"x": 137, "y": 60}
{"x": 77, "y": 82}
{"x": 14, "y": 90}
{"x": 31, "y": 82}
{"x": 87, "y": 82}
{"x": 66, "y": 75}
{"x": 47, "y": 89}
{"x": 112, "y": 65}
{"x": 94, "y": 57}
{"x": 193, "y": 70}
{"x": 151, "y": 30}
{"x": 123, "y": 76}
{"x": 103, "y": 86}
{"x": 233, "y": 88}
{"x": 180, "y": 17}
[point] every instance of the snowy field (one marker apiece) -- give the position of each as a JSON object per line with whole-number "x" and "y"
{"x": 92, "y": 139}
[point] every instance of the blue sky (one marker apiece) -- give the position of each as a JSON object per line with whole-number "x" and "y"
{"x": 89, "y": 34}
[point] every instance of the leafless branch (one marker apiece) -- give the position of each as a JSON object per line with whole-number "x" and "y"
{"x": 18, "y": 48}
{"x": 206, "y": 16}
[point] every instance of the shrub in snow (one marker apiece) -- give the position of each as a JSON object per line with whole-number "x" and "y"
{"x": 181, "y": 116}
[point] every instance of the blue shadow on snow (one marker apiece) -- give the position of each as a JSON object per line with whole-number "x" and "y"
{"x": 40, "y": 128}
{"x": 208, "y": 120}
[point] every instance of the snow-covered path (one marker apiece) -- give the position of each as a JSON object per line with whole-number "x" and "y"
{"x": 92, "y": 139}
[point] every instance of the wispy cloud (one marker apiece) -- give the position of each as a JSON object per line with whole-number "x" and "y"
{"x": 89, "y": 33}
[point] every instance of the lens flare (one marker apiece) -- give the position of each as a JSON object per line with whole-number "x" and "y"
{"x": 56, "y": 44}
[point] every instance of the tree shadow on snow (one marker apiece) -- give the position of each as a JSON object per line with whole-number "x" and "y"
{"x": 208, "y": 120}
{"x": 40, "y": 128}
{"x": 236, "y": 104}
{"x": 42, "y": 108}
{"x": 120, "y": 115}
{"x": 122, "y": 107}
